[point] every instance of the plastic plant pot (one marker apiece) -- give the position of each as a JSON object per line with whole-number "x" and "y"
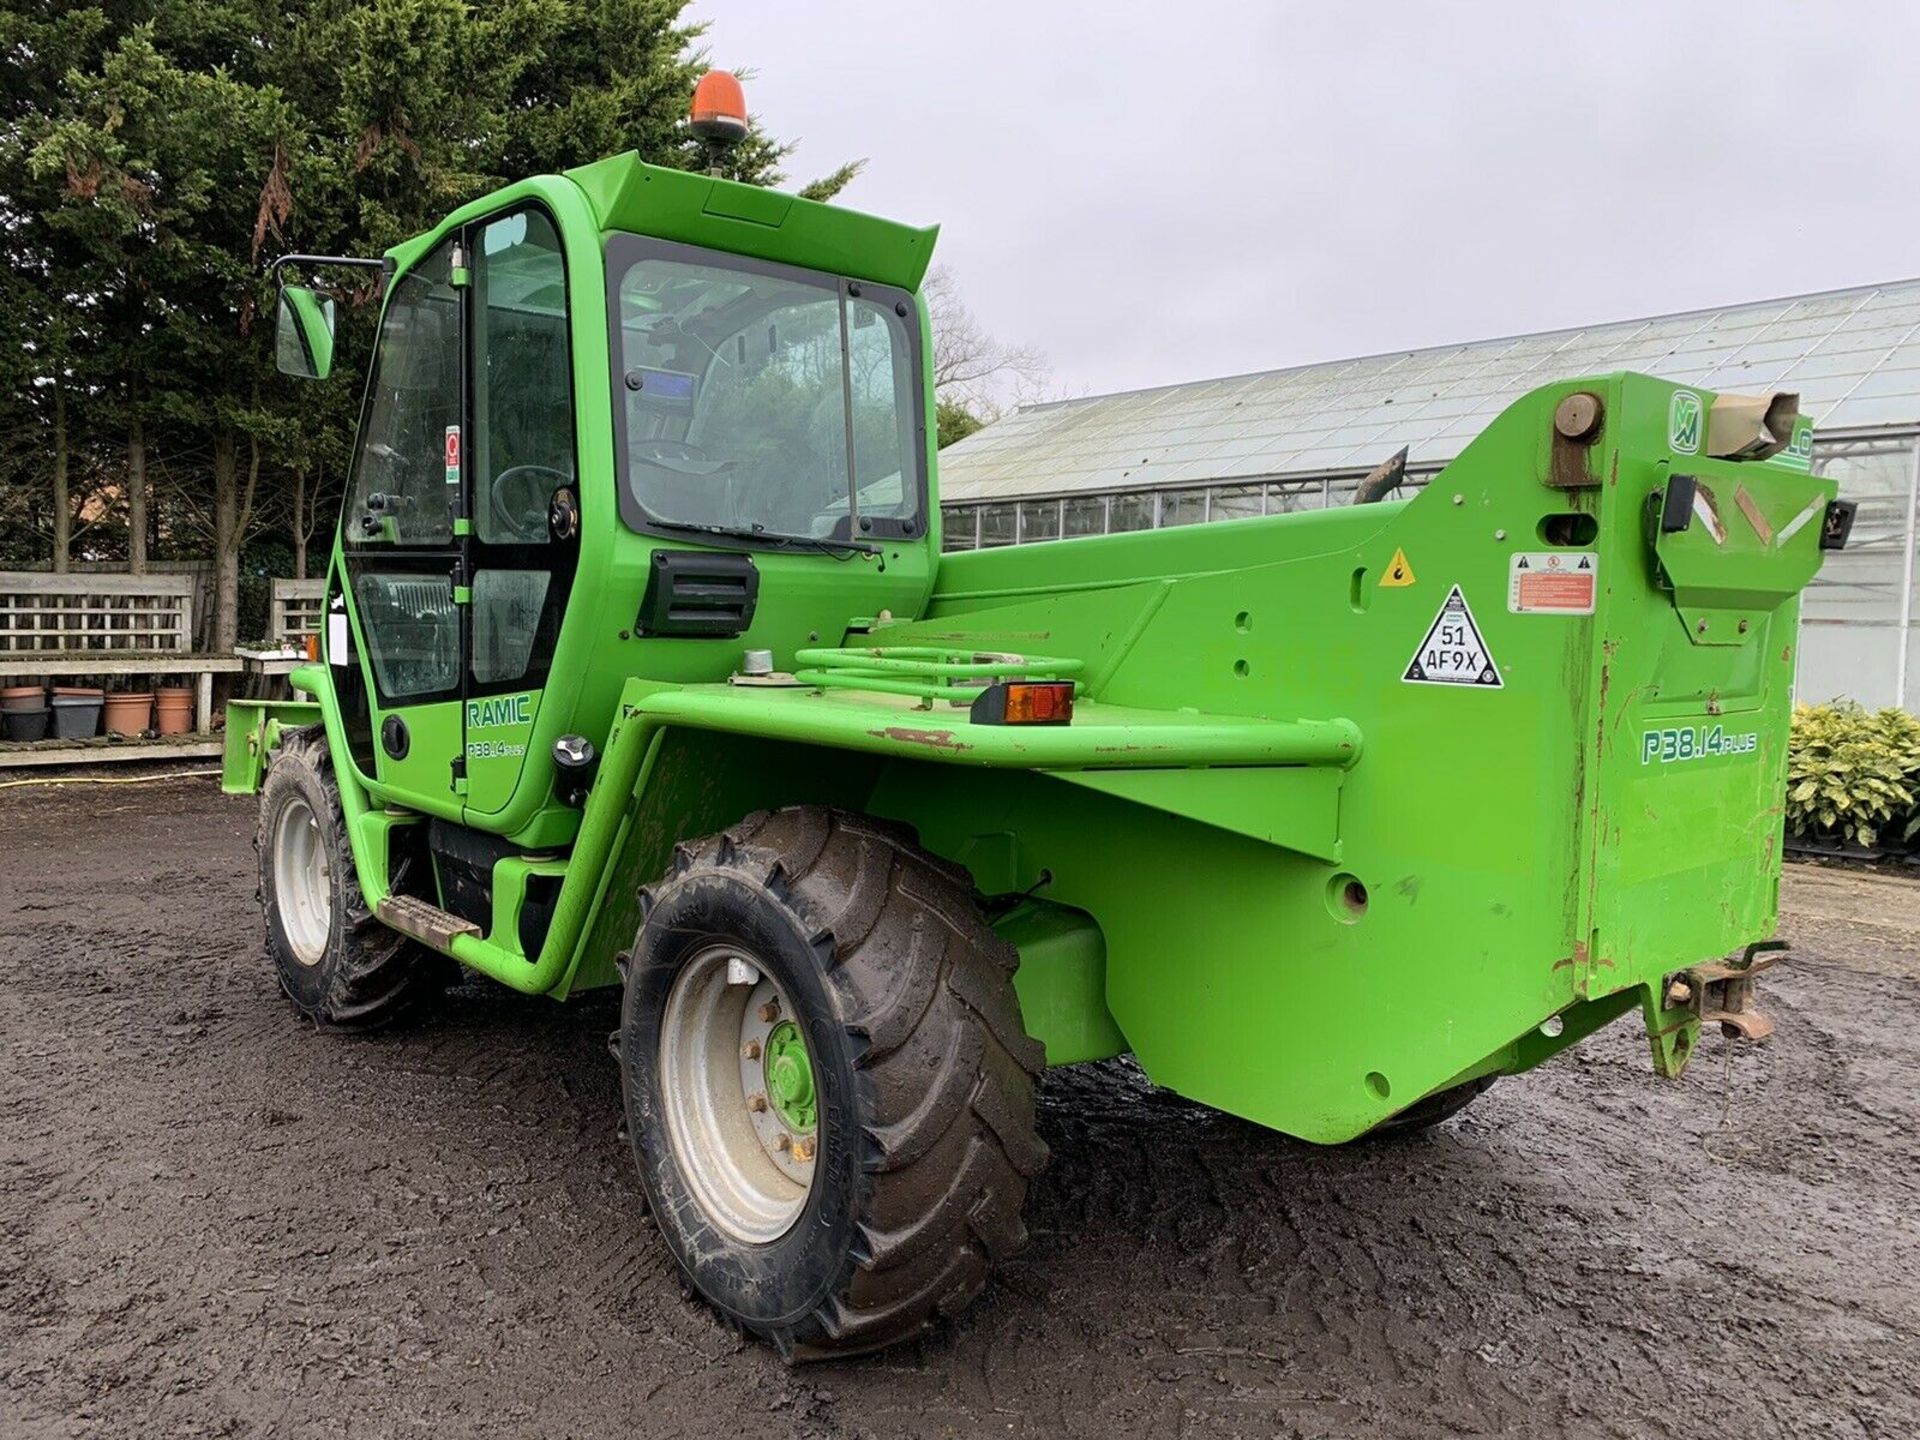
{"x": 26, "y": 724}
{"x": 23, "y": 697}
{"x": 76, "y": 717}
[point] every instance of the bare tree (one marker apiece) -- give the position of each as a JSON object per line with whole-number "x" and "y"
{"x": 315, "y": 498}
{"x": 971, "y": 368}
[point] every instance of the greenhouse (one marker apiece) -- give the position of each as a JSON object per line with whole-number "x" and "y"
{"x": 1301, "y": 439}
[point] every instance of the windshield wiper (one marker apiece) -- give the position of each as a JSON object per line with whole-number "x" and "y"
{"x": 825, "y": 545}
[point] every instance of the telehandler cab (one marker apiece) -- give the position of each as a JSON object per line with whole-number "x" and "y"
{"x": 643, "y": 667}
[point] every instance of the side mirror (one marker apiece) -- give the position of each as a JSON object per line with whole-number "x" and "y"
{"x": 303, "y": 333}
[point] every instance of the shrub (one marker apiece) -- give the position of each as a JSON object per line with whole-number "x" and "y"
{"x": 1852, "y": 772}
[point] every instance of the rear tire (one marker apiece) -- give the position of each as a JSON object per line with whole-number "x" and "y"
{"x": 1429, "y": 1112}
{"x": 339, "y": 966}
{"x": 918, "y": 1127}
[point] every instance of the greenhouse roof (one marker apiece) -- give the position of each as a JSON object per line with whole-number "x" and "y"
{"x": 1853, "y": 355}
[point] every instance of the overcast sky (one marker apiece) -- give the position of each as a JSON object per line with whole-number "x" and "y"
{"x": 1160, "y": 192}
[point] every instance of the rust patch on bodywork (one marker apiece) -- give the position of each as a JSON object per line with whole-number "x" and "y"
{"x": 1576, "y": 961}
{"x": 932, "y": 739}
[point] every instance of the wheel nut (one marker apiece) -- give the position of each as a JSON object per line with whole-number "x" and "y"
{"x": 751, "y": 1050}
{"x": 803, "y": 1150}
{"x": 770, "y": 1011}
{"x": 781, "y": 1142}
{"x": 756, "y": 1103}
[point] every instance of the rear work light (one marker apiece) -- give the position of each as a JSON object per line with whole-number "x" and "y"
{"x": 1024, "y": 702}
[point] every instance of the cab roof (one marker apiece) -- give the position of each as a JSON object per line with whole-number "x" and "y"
{"x": 626, "y": 193}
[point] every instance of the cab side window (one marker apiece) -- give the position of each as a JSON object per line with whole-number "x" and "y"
{"x": 522, "y": 454}
{"x": 400, "y": 509}
{"x": 401, "y": 496}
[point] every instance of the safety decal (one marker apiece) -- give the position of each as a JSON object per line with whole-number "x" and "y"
{"x": 1399, "y": 573}
{"x": 1756, "y": 517}
{"x": 1793, "y": 527}
{"x": 1453, "y": 652}
{"x": 453, "y": 454}
{"x": 1552, "y": 582}
{"x": 1708, "y": 510}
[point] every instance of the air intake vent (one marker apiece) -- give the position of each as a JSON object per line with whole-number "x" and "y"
{"x": 692, "y": 593}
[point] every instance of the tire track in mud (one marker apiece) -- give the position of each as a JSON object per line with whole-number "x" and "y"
{"x": 214, "y": 1220}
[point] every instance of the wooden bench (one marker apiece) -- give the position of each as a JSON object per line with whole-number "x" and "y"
{"x": 75, "y": 626}
{"x": 296, "y": 608}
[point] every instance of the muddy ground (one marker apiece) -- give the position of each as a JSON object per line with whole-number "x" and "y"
{"x": 214, "y": 1221}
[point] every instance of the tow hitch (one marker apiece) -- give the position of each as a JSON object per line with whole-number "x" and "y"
{"x": 1723, "y": 994}
{"x": 1718, "y": 994}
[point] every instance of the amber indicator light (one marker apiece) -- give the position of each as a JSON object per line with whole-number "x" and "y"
{"x": 1025, "y": 702}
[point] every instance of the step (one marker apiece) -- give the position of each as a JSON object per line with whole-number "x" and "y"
{"x": 425, "y": 922}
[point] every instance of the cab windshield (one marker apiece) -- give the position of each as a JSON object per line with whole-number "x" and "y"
{"x": 761, "y": 400}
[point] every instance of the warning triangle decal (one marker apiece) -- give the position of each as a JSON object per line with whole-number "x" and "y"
{"x": 1453, "y": 652}
{"x": 1399, "y": 573}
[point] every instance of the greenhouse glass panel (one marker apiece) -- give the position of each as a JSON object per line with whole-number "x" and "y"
{"x": 1183, "y": 507}
{"x": 997, "y": 525}
{"x": 1132, "y": 512}
{"x": 1862, "y": 582}
{"x": 1307, "y": 495}
{"x": 960, "y": 528}
{"x": 1040, "y": 520}
{"x": 1238, "y": 502}
{"x": 1087, "y": 515}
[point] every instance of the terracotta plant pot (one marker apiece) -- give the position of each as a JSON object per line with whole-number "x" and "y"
{"x": 129, "y": 712}
{"x": 173, "y": 705}
{"x": 23, "y": 697}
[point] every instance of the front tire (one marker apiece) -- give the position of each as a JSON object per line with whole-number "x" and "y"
{"x": 845, "y": 1208}
{"x": 339, "y": 966}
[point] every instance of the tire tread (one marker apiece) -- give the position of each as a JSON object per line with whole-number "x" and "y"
{"x": 928, "y": 999}
{"x": 380, "y": 978}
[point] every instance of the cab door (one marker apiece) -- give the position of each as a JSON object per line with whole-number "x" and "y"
{"x": 399, "y": 538}
{"x": 525, "y": 508}
{"x": 463, "y": 520}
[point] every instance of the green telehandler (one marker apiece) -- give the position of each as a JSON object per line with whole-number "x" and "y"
{"x": 642, "y": 666}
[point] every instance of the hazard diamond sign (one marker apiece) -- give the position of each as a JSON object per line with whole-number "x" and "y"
{"x": 1453, "y": 652}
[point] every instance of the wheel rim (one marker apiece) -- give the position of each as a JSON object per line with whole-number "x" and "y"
{"x": 738, "y": 1094}
{"x": 302, "y": 881}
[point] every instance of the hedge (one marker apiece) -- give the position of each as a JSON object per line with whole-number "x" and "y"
{"x": 1853, "y": 775}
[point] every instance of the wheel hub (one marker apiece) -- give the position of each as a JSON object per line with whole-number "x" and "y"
{"x": 738, "y": 1093}
{"x": 302, "y": 882}
{"x": 790, "y": 1077}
